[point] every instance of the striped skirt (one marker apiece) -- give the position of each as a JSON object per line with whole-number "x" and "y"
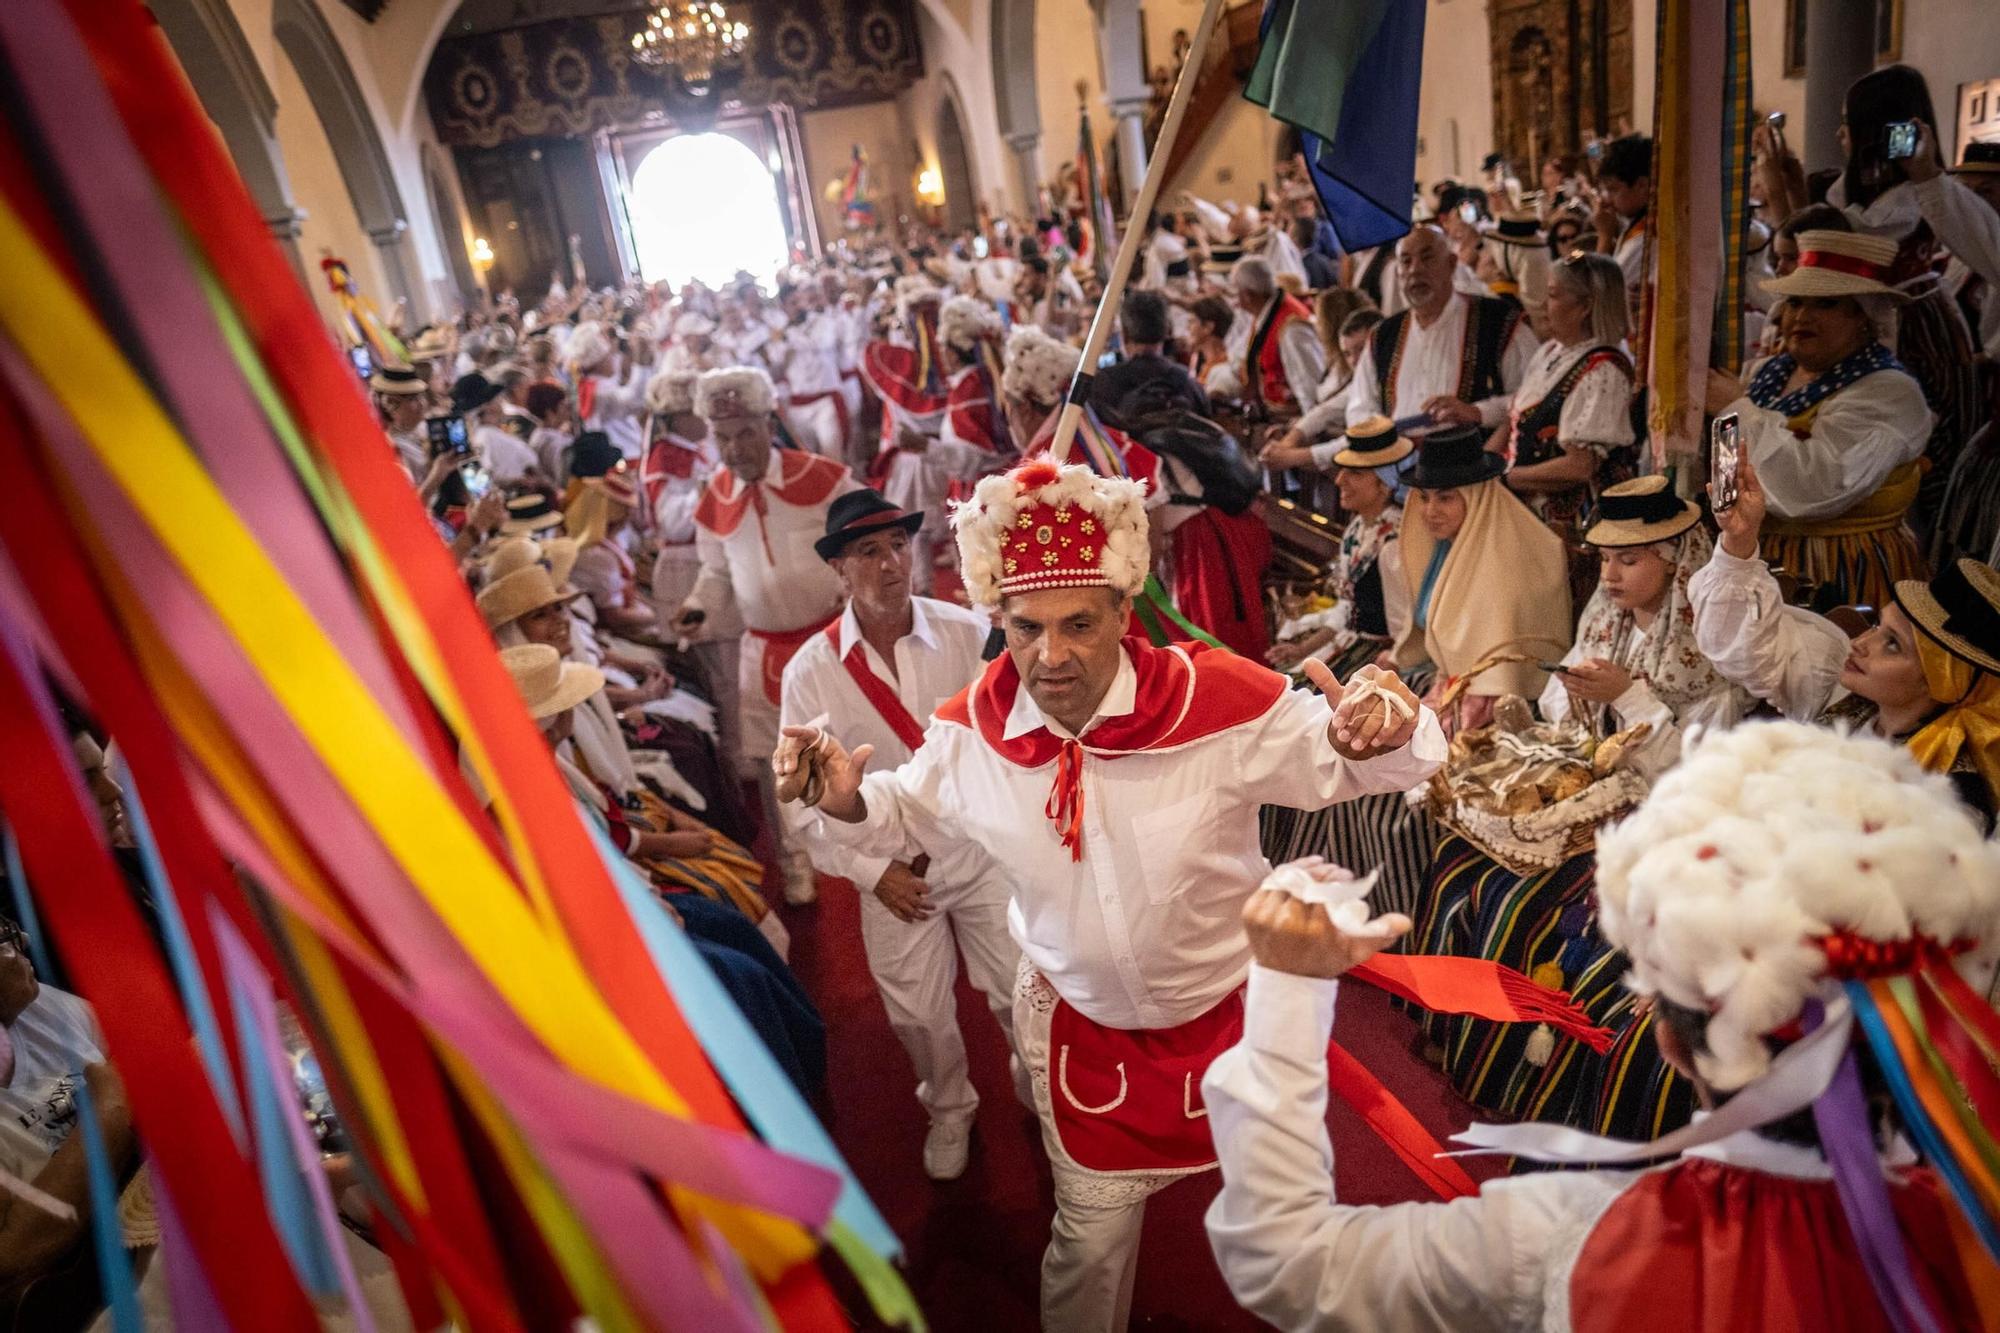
{"x": 1862, "y": 568}
{"x": 1936, "y": 347}
{"x": 1382, "y": 833}
{"x": 1540, "y": 925}
{"x": 1969, "y": 517}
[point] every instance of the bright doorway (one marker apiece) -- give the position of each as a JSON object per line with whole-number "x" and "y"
{"x": 704, "y": 206}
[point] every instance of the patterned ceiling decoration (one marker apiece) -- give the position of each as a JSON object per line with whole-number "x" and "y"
{"x": 573, "y": 76}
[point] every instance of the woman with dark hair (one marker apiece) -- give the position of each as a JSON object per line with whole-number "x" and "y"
{"x": 1931, "y": 339}
{"x": 1210, "y": 320}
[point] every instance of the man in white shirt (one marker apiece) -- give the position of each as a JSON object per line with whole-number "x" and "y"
{"x": 1453, "y": 357}
{"x": 1752, "y": 1226}
{"x": 808, "y": 354}
{"x": 755, "y": 526}
{"x": 881, "y": 670}
{"x": 506, "y": 458}
{"x": 614, "y": 403}
{"x": 1118, "y": 786}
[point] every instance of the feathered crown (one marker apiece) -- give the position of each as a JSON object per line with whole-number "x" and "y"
{"x": 1039, "y": 368}
{"x": 1780, "y": 862}
{"x": 1045, "y": 525}
{"x": 964, "y": 321}
{"x": 740, "y": 391}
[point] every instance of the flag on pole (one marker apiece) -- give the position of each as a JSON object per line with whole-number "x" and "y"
{"x": 1099, "y": 225}
{"x": 1346, "y": 75}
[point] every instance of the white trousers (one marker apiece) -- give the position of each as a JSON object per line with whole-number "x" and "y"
{"x": 915, "y": 965}
{"x": 1093, "y": 1252}
{"x": 816, "y": 426}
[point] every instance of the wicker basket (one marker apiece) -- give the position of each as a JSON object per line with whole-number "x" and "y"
{"x": 1531, "y": 843}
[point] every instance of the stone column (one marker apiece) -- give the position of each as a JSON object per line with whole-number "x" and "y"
{"x": 1838, "y": 51}
{"x": 390, "y": 245}
{"x": 1126, "y": 91}
{"x": 287, "y": 223}
{"x": 1028, "y": 162}
{"x": 1130, "y": 129}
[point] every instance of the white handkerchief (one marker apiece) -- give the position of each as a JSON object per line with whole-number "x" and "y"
{"x": 1314, "y": 879}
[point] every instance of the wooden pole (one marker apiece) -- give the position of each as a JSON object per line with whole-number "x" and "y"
{"x": 1135, "y": 232}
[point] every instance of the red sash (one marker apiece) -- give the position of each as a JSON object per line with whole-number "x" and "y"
{"x": 1125, "y": 1100}
{"x": 839, "y": 406}
{"x": 876, "y": 690}
{"x": 780, "y": 647}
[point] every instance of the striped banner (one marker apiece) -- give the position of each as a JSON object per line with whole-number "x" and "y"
{"x": 1737, "y": 122}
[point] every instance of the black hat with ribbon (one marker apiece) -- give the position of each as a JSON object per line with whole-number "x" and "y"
{"x": 471, "y": 392}
{"x": 1640, "y": 512}
{"x": 1960, "y": 608}
{"x": 858, "y": 514}
{"x": 592, "y": 454}
{"x": 1453, "y": 457}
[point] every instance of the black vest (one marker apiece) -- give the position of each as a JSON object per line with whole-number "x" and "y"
{"x": 1489, "y": 324}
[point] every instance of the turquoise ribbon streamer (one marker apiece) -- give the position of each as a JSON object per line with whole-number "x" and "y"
{"x": 769, "y": 1101}
{"x": 180, "y": 956}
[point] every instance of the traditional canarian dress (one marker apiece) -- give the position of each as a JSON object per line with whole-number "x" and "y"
{"x": 1544, "y": 923}
{"x": 1130, "y": 850}
{"x": 1838, "y": 459}
{"x": 1742, "y": 1233}
{"x": 1575, "y": 397}
{"x": 755, "y": 543}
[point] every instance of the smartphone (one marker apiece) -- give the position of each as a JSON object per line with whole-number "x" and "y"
{"x": 1468, "y": 213}
{"x": 364, "y": 363}
{"x": 1593, "y": 150}
{"x": 1553, "y": 668}
{"x": 477, "y": 480}
{"x": 980, "y": 248}
{"x": 447, "y": 435}
{"x": 1902, "y": 139}
{"x": 1725, "y": 461}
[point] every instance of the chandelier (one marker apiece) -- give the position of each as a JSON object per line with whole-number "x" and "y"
{"x": 692, "y": 38}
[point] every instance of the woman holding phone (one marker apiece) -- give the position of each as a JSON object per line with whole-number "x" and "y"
{"x": 1835, "y": 424}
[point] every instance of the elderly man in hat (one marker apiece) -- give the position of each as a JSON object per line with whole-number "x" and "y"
{"x": 755, "y": 529}
{"x": 1118, "y": 786}
{"x": 880, "y": 671}
{"x": 607, "y": 400}
{"x": 1812, "y": 919}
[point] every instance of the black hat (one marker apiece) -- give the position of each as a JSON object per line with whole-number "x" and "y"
{"x": 857, "y": 514}
{"x": 1960, "y": 608}
{"x": 593, "y": 455}
{"x": 1455, "y": 456}
{"x": 1979, "y": 159}
{"x": 471, "y": 392}
{"x": 1518, "y": 229}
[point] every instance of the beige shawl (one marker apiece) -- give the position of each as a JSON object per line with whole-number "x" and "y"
{"x": 1504, "y": 588}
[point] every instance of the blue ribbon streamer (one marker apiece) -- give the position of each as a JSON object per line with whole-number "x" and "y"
{"x": 768, "y": 1099}
{"x": 180, "y": 956}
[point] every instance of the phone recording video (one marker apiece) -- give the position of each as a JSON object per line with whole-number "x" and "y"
{"x": 447, "y": 435}
{"x": 1902, "y": 140}
{"x": 364, "y": 362}
{"x": 477, "y": 480}
{"x": 1725, "y": 461}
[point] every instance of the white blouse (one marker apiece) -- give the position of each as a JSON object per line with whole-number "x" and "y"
{"x": 1859, "y": 436}
{"x": 1661, "y": 749}
{"x": 1597, "y": 415}
{"x": 1785, "y": 655}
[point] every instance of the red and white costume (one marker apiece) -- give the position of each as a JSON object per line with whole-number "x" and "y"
{"x": 1791, "y": 917}
{"x": 1130, "y": 848}
{"x": 815, "y": 407}
{"x": 839, "y": 675}
{"x": 603, "y": 402}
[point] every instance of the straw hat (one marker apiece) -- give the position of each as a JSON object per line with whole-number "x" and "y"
{"x": 506, "y": 600}
{"x": 1981, "y": 159}
{"x": 514, "y": 554}
{"x": 529, "y": 513}
{"x": 1640, "y": 512}
{"x": 1374, "y": 443}
{"x": 398, "y": 382}
{"x": 1839, "y": 263}
{"x": 429, "y": 345}
{"x": 1518, "y": 229}
{"x": 1960, "y": 608}
{"x": 549, "y": 685}
{"x": 559, "y": 554}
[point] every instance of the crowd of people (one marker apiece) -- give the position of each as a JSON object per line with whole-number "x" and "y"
{"x": 794, "y": 578}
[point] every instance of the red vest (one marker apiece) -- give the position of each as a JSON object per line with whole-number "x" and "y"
{"x": 1275, "y": 389}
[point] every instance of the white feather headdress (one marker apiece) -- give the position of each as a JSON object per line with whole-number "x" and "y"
{"x": 1049, "y": 526}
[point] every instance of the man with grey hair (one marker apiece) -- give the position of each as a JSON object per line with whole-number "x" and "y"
{"x": 1455, "y": 358}
{"x": 1282, "y": 359}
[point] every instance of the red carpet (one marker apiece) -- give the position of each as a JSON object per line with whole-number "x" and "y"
{"x": 975, "y": 1244}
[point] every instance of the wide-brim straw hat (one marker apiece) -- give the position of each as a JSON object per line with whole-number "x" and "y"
{"x": 1960, "y": 608}
{"x": 1640, "y": 512}
{"x": 1518, "y": 229}
{"x": 547, "y": 683}
{"x": 511, "y": 596}
{"x": 1374, "y": 443}
{"x": 1839, "y": 263}
{"x": 559, "y": 554}
{"x": 530, "y": 513}
{"x": 398, "y": 382}
{"x": 1981, "y": 159}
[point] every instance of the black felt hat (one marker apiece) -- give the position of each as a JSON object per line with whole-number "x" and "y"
{"x": 1454, "y": 457}
{"x": 857, "y": 514}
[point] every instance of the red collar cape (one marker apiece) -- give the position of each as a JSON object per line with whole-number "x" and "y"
{"x": 1187, "y": 692}
{"x": 897, "y": 375}
{"x": 974, "y": 411}
{"x": 804, "y": 480}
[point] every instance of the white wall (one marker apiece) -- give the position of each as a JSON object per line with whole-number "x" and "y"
{"x": 1455, "y": 105}
{"x": 1952, "y": 42}
{"x": 954, "y": 38}
{"x": 1066, "y": 51}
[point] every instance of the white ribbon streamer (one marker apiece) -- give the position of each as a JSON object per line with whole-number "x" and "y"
{"x": 1797, "y": 1077}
